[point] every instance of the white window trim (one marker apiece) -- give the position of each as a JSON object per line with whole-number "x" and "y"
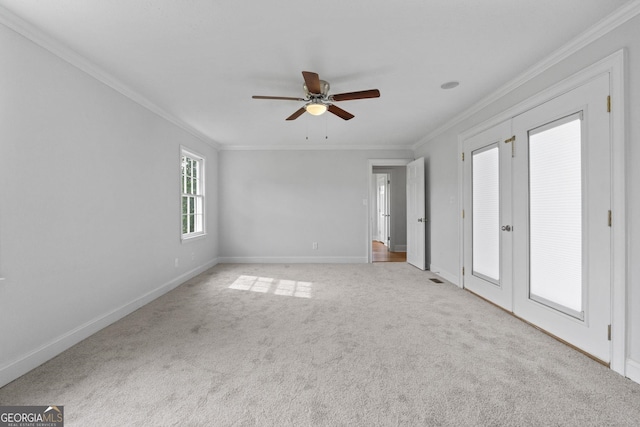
{"x": 184, "y": 151}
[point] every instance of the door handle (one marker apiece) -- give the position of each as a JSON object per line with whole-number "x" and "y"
{"x": 422, "y": 219}
{"x": 506, "y": 228}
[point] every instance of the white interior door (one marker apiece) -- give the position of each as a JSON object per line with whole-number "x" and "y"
{"x": 387, "y": 210}
{"x": 562, "y": 234}
{"x": 487, "y": 215}
{"x": 416, "y": 220}
{"x": 383, "y": 208}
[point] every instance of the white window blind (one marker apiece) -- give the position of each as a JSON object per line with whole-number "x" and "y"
{"x": 486, "y": 213}
{"x": 555, "y": 213}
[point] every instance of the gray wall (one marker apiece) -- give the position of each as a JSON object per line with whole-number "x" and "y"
{"x": 275, "y": 204}
{"x": 442, "y": 160}
{"x": 90, "y": 212}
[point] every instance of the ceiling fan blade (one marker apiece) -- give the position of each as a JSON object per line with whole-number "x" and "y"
{"x": 312, "y": 80}
{"x": 284, "y": 98}
{"x": 363, "y": 94}
{"x": 340, "y": 112}
{"x": 296, "y": 114}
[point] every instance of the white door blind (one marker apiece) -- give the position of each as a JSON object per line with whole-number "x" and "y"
{"x": 555, "y": 210}
{"x": 486, "y": 213}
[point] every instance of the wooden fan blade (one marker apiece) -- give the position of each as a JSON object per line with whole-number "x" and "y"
{"x": 284, "y": 98}
{"x": 340, "y": 112}
{"x": 312, "y": 80}
{"x": 296, "y": 114}
{"x": 371, "y": 93}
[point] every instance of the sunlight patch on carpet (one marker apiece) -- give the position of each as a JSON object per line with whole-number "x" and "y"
{"x": 284, "y": 287}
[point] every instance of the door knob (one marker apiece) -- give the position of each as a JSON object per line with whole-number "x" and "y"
{"x": 506, "y": 228}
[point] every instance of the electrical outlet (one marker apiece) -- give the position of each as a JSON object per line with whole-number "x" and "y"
{"x": 315, "y": 245}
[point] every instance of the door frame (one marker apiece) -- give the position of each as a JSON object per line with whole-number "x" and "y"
{"x": 372, "y": 194}
{"x": 614, "y": 65}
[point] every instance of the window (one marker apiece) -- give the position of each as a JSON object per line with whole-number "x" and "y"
{"x": 192, "y": 194}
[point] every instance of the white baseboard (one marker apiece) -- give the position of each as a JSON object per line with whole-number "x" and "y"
{"x": 633, "y": 370}
{"x": 400, "y": 248}
{"x": 49, "y": 350}
{"x": 444, "y": 274}
{"x": 293, "y": 260}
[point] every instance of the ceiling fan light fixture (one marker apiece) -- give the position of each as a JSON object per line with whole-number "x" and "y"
{"x": 315, "y": 108}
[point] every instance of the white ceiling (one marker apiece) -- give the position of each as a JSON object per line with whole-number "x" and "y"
{"x": 200, "y": 61}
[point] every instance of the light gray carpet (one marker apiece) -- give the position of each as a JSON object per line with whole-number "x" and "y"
{"x": 326, "y": 345}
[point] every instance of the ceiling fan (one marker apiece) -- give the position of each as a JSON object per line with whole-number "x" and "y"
{"x": 317, "y": 99}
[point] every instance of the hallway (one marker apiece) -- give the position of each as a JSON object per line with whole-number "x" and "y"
{"x": 382, "y": 254}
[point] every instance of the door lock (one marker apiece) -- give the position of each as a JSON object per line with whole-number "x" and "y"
{"x": 506, "y": 228}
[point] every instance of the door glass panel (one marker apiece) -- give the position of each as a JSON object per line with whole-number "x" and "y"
{"x": 486, "y": 213}
{"x": 555, "y": 215}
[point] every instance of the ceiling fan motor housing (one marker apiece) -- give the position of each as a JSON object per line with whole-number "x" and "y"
{"x": 324, "y": 90}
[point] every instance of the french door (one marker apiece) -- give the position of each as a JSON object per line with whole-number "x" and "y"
{"x": 562, "y": 199}
{"x": 487, "y": 202}
{"x": 537, "y": 201}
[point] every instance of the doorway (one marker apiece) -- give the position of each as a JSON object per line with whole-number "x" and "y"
{"x": 389, "y": 222}
{"x": 386, "y": 225}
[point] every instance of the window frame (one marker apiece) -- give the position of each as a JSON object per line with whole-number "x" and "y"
{"x": 200, "y": 206}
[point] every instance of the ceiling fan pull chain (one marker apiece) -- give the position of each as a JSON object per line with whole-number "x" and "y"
{"x": 326, "y": 128}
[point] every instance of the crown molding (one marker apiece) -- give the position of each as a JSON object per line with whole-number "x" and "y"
{"x": 37, "y": 36}
{"x": 311, "y": 147}
{"x": 611, "y": 22}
